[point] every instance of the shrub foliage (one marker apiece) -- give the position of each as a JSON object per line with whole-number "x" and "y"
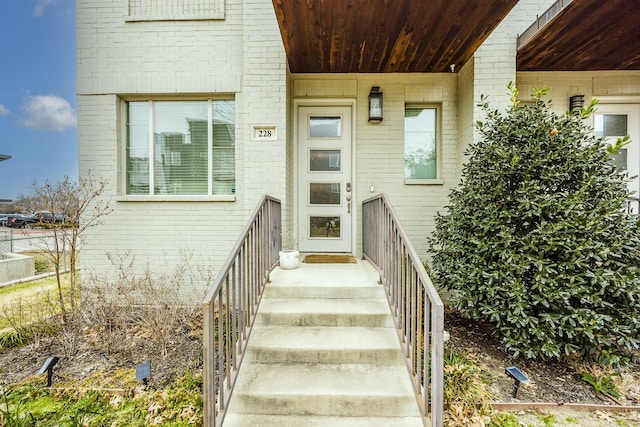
{"x": 536, "y": 239}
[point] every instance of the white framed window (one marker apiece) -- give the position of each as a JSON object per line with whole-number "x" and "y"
{"x": 180, "y": 148}
{"x": 421, "y": 148}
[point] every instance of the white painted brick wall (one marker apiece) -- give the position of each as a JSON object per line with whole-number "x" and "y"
{"x": 115, "y": 56}
{"x": 495, "y": 60}
{"x": 492, "y": 67}
{"x": 241, "y": 56}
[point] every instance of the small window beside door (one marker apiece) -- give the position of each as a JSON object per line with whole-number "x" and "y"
{"x": 421, "y": 143}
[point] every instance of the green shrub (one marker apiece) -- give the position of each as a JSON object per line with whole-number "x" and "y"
{"x": 536, "y": 239}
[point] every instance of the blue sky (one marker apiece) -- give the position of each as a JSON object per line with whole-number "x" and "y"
{"x": 38, "y": 121}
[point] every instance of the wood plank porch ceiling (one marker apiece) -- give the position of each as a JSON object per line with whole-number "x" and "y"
{"x": 587, "y": 35}
{"x": 384, "y": 36}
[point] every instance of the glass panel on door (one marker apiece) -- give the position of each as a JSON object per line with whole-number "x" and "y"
{"x": 324, "y": 160}
{"x": 324, "y": 226}
{"x": 324, "y": 193}
{"x": 325, "y": 127}
{"x": 610, "y": 124}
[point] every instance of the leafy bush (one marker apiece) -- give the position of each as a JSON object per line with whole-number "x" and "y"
{"x": 536, "y": 240}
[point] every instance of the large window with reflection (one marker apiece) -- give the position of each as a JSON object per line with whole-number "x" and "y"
{"x": 180, "y": 147}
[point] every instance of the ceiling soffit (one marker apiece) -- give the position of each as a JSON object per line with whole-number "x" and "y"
{"x": 587, "y": 35}
{"x": 384, "y": 36}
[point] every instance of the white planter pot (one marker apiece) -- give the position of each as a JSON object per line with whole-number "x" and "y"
{"x": 289, "y": 259}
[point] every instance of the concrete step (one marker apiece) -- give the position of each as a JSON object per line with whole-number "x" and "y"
{"x": 324, "y": 390}
{"x": 323, "y": 344}
{"x": 326, "y": 291}
{"x": 324, "y": 312}
{"x": 323, "y": 352}
{"x": 259, "y": 420}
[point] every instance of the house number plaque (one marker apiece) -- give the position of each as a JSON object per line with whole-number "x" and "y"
{"x": 264, "y": 132}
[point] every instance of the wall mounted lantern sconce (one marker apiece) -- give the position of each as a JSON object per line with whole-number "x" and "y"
{"x": 375, "y": 105}
{"x": 576, "y": 103}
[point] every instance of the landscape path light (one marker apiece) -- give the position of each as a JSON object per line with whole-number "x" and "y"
{"x": 518, "y": 376}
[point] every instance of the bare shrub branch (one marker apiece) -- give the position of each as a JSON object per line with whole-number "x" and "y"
{"x": 154, "y": 307}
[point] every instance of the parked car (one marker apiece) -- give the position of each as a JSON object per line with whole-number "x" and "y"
{"x": 46, "y": 216}
{"x": 4, "y": 218}
{"x": 38, "y": 218}
{"x": 20, "y": 221}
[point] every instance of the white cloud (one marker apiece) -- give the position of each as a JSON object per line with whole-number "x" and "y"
{"x": 48, "y": 112}
{"x": 38, "y": 10}
{"x": 3, "y": 110}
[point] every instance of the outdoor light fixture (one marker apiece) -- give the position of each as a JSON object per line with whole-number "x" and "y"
{"x": 518, "y": 376}
{"x": 576, "y": 103}
{"x": 48, "y": 368}
{"x": 375, "y": 105}
{"x": 143, "y": 372}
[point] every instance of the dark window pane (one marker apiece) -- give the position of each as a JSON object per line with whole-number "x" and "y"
{"x": 322, "y": 193}
{"x": 620, "y": 158}
{"x": 324, "y": 226}
{"x": 324, "y": 160}
{"x": 610, "y": 125}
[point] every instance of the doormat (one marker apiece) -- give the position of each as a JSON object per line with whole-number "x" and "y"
{"x": 329, "y": 259}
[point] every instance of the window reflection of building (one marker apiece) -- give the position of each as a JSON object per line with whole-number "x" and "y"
{"x": 192, "y": 155}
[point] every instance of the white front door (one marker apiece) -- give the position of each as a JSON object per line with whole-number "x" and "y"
{"x": 616, "y": 120}
{"x": 324, "y": 179}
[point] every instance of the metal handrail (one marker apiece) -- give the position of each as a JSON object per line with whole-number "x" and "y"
{"x": 416, "y": 307}
{"x": 232, "y": 302}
